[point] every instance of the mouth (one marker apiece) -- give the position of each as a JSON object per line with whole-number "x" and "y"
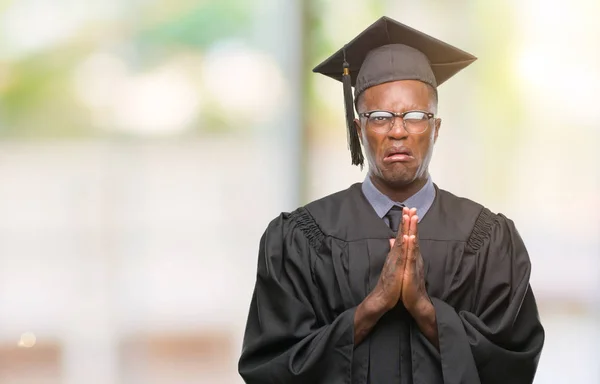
{"x": 398, "y": 154}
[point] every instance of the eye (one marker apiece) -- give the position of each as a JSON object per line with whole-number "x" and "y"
{"x": 380, "y": 117}
{"x": 416, "y": 116}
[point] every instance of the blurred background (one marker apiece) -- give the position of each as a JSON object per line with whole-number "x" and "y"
{"x": 146, "y": 144}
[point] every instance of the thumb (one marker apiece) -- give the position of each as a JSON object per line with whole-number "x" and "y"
{"x": 392, "y": 242}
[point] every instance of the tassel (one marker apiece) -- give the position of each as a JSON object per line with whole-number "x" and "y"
{"x": 353, "y": 139}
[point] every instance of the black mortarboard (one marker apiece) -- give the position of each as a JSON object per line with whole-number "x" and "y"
{"x": 389, "y": 51}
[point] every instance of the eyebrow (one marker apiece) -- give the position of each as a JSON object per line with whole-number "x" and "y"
{"x": 412, "y": 107}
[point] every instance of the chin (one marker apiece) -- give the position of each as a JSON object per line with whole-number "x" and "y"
{"x": 396, "y": 175}
{"x": 398, "y": 178}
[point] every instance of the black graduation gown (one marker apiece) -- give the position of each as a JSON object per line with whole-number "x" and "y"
{"x": 316, "y": 264}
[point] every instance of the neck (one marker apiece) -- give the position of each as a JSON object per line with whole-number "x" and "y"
{"x": 402, "y": 192}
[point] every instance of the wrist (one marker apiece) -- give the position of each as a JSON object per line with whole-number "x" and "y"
{"x": 425, "y": 317}
{"x": 373, "y": 307}
{"x": 423, "y": 310}
{"x": 367, "y": 314}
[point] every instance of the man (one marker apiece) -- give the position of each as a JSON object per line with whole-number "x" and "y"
{"x": 393, "y": 280}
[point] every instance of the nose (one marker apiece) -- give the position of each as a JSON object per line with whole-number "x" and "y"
{"x": 397, "y": 130}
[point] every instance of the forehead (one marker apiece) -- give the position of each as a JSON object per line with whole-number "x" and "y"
{"x": 398, "y": 95}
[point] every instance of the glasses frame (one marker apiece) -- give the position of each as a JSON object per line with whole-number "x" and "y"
{"x": 400, "y": 115}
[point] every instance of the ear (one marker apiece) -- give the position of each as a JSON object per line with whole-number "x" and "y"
{"x": 358, "y": 129}
{"x": 438, "y": 125}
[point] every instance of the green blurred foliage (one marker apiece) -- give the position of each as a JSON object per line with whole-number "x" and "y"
{"x": 196, "y": 26}
{"x": 37, "y": 98}
{"x": 497, "y": 91}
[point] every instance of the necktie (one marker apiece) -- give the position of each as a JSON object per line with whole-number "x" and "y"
{"x": 394, "y": 216}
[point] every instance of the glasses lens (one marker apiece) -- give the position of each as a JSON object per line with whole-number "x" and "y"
{"x": 416, "y": 121}
{"x": 380, "y": 120}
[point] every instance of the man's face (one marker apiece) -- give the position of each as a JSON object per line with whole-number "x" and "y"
{"x": 398, "y": 96}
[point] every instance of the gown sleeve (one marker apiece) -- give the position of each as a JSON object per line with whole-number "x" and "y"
{"x": 284, "y": 341}
{"x": 500, "y": 339}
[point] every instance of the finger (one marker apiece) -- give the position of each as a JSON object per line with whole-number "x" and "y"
{"x": 403, "y": 252}
{"x": 417, "y": 260}
{"x": 408, "y": 263}
{"x": 412, "y": 251}
{"x": 397, "y": 243}
{"x": 405, "y": 224}
{"x": 414, "y": 221}
{"x": 416, "y": 231}
{"x": 402, "y": 230}
{"x": 398, "y": 239}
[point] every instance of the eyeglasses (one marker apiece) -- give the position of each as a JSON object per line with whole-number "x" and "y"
{"x": 382, "y": 121}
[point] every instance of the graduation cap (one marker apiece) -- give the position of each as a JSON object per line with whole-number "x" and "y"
{"x": 389, "y": 51}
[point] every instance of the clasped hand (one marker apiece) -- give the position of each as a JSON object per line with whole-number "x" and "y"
{"x": 402, "y": 276}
